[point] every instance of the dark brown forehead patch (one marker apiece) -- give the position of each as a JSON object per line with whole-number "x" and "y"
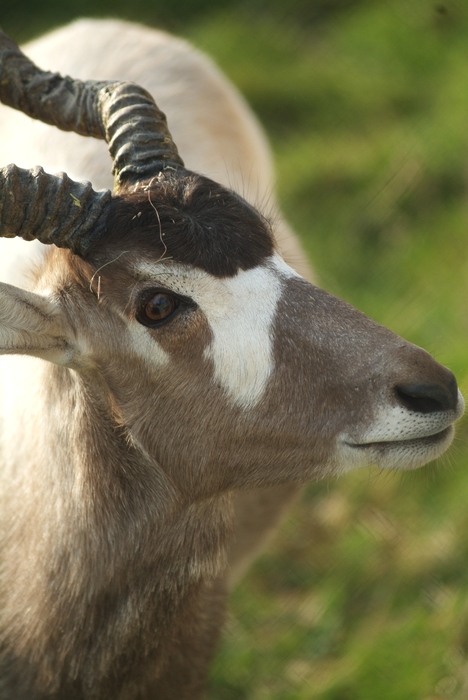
{"x": 189, "y": 219}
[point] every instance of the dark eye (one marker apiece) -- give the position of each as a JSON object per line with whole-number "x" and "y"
{"x": 156, "y": 308}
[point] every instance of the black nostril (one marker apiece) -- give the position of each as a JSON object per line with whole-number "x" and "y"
{"x": 429, "y": 398}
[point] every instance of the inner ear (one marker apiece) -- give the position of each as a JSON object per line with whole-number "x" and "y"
{"x": 33, "y": 324}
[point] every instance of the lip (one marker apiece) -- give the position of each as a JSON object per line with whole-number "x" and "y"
{"x": 426, "y": 440}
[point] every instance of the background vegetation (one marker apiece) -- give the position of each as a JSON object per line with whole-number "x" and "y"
{"x": 364, "y": 593}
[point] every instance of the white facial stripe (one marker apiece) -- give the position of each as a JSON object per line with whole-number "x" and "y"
{"x": 147, "y": 347}
{"x": 240, "y": 311}
{"x": 241, "y": 350}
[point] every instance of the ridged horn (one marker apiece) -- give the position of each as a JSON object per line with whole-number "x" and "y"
{"x": 51, "y": 209}
{"x": 122, "y": 113}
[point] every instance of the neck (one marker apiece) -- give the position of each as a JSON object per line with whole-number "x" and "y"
{"x": 104, "y": 559}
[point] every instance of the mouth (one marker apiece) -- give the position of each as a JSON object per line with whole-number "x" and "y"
{"x": 403, "y": 455}
{"x": 426, "y": 441}
{"x": 400, "y": 439}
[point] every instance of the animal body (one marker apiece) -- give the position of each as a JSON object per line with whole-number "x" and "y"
{"x": 168, "y": 380}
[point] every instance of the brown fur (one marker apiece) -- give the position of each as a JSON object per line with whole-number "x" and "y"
{"x": 189, "y": 219}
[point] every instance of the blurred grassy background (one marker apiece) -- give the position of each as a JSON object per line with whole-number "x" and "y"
{"x": 364, "y": 593}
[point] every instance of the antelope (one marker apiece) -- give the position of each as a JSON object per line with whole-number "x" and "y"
{"x": 168, "y": 380}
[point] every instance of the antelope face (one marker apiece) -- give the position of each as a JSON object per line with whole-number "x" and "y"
{"x": 210, "y": 351}
{"x": 254, "y": 368}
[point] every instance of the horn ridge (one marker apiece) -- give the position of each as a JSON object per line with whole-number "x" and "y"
{"x": 51, "y": 208}
{"x": 61, "y": 102}
{"x": 121, "y": 112}
{"x": 139, "y": 140}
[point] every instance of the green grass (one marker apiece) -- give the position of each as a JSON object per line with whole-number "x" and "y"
{"x": 364, "y": 593}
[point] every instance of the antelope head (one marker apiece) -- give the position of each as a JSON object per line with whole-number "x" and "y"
{"x": 167, "y": 298}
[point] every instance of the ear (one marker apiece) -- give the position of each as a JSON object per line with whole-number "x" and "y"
{"x": 32, "y": 324}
